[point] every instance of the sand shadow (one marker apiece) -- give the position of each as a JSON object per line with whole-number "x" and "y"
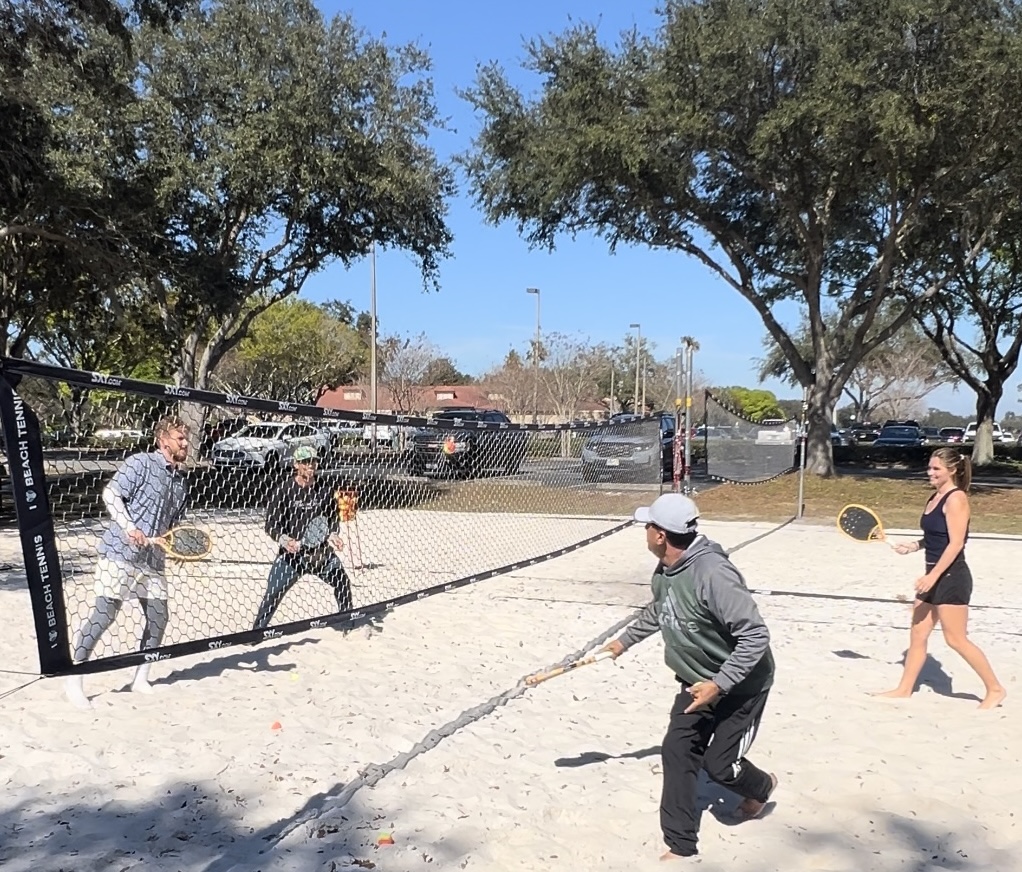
{"x": 12, "y": 576}
{"x": 714, "y": 798}
{"x": 933, "y": 848}
{"x": 934, "y": 677}
{"x": 850, "y": 655}
{"x": 255, "y": 657}
{"x": 330, "y": 830}
{"x": 586, "y": 758}
{"x": 196, "y": 826}
{"x": 248, "y": 658}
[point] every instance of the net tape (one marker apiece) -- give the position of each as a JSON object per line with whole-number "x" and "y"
{"x": 428, "y": 510}
{"x": 742, "y": 451}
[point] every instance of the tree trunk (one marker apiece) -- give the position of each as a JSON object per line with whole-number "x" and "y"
{"x": 74, "y": 413}
{"x": 986, "y": 410}
{"x": 193, "y": 414}
{"x": 184, "y": 376}
{"x": 819, "y": 448}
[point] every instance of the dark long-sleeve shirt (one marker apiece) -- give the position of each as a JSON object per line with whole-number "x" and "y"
{"x": 293, "y": 506}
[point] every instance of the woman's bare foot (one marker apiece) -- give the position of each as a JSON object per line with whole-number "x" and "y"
{"x": 753, "y": 808}
{"x": 897, "y": 693}
{"x": 994, "y": 698}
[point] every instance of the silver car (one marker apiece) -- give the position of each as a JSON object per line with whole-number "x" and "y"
{"x": 267, "y": 443}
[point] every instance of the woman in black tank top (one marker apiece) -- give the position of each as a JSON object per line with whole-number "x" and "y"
{"x": 944, "y": 591}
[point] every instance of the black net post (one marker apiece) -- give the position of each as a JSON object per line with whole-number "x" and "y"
{"x": 706, "y": 429}
{"x": 23, "y": 447}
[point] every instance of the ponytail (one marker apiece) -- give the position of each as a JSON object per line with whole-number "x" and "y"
{"x": 963, "y": 472}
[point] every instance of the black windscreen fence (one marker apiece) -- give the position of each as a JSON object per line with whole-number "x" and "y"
{"x": 744, "y": 451}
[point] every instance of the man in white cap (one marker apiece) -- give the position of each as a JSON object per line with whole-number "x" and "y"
{"x": 719, "y": 650}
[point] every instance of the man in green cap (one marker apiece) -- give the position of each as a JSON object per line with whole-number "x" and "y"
{"x": 302, "y": 518}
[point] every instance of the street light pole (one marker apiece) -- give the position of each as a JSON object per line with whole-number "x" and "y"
{"x": 680, "y": 438}
{"x": 535, "y": 359}
{"x": 690, "y": 346}
{"x": 372, "y": 338}
{"x": 638, "y": 344}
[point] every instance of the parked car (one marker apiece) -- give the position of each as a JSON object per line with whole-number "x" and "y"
{"x": 952, "y": 434}
{"x": 341, "y": 432}
{"x": 218, "y": 430}
{"x": 970, "y": 432}
{"x": 267, "y": 443}
{"x": 864, "y": 432}
{"x": 839, "y": 438}
{"x": 931, "y": 435}
{"x": 464, "y": 453}
{"x": 611, "y": 453}
{"x": 899, "y": 436}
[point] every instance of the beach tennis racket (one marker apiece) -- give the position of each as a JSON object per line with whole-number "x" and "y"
{"x": 316, "y": 533}
{"x": 861, "y": 524}
{"x": 185, "y": 543}
{"x": 540, "y": 677}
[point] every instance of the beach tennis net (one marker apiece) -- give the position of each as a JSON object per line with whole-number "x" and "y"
{"x": 398, "y": 508}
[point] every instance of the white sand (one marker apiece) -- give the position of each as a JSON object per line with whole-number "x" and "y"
{"x": 565, "y": 776}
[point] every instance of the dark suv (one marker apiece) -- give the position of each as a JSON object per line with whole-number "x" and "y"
{"x": 465, "y": 451}
{"x": 630, "y": 452}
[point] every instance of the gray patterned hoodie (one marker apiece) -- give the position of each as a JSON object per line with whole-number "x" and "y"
{"x": 710, "y": 623}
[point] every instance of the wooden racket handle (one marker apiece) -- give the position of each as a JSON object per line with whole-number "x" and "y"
{"x": 540, "y": 677}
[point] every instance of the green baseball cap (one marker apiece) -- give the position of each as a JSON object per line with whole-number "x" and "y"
{"x": 303, "y": 454}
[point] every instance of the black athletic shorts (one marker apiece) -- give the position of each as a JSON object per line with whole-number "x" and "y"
{"x": 953, "y": 588}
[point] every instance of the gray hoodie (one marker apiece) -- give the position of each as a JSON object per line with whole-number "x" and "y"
{"x": 711, "y": 626}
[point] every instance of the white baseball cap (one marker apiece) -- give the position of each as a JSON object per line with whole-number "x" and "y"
{"x": 675, "y": 513}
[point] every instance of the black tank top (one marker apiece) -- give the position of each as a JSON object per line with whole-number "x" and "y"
{"x": 935, "y": 534}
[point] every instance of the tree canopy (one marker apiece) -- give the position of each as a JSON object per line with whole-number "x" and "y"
{"x": 799, "y": 150}
{"x": 210, "y": 156}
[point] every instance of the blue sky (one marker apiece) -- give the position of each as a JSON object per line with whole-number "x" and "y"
{"x": 482, "y": 309}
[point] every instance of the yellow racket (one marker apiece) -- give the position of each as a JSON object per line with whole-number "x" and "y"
{"x": 861, "y": 524}
{"x": 185, "y": 543}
